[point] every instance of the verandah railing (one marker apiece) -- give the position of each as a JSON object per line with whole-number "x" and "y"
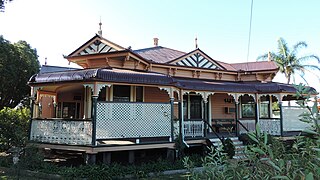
{"x": 193, "y": 128}
{"x": 61, "y": 131}
{"x": 271, "y": 126}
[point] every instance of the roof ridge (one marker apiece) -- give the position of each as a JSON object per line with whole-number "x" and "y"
{"x": 249, "y": 62}
{"x": 157, "y": 47}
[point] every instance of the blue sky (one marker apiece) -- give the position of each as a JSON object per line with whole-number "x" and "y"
{"x": 59, "y": 27}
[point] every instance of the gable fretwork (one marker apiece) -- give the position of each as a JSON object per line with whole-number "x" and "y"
{"x": 96, "y": 47}
{"x": 197, "y": 59}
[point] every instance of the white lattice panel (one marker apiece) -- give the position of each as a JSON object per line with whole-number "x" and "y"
{"x": 133, "y": 120}
{"x": 270, "y": 126}
{"x": 291, "y": 119}
{"x": 193, "y": 128}
{"x": 61, "y": 131}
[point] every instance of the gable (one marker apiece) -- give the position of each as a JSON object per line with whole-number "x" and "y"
{"x": 96, "y": 45}
{"x": 197, "y": 59}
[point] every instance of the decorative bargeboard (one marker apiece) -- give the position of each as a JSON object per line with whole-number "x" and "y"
{"x": 133, "y": 120}
{"x": 74, "y": 132}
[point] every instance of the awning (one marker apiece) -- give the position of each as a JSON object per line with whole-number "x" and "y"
{"x": 214, "y": 86}
{"x": 103, "y": 74}
{"x": 151, "y": 78}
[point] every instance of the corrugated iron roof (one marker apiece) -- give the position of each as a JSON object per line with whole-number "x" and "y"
{"x": 255, "y": 66}
{"x": 152, "y": 78}
{"x": 103, "y": 74}
{"x": 214, "y": 86}
{"x": 47, "y": 69}
{"x": 159, "y": 54}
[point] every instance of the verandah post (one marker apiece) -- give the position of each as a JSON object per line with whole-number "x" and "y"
{"x": 94, "y": 119}
{"x": 172, "y": 116}
{"x": 236, "y": 104}
{"x": 32, "y": 99}
{"x": 205, "y": 116}
{"x": 281, "y": 118}
{"x": 257, "y": 114}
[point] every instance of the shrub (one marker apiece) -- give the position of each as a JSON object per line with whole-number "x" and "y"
{"x": 13, "y": 127}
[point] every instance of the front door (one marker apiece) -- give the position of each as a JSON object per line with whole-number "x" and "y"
{"x": 195, "y": 107}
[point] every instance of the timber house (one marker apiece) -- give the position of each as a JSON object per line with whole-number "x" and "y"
{"x": 130, "y": 100}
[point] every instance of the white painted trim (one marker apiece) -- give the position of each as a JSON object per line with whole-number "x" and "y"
{"x": 132, "y": 95}
{"x": 210, "y": 112}
{"x": 85, "y": 104}
{"x": 111, "y": 93}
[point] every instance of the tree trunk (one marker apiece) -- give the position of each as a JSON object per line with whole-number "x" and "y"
{"x": 288, "y": 82}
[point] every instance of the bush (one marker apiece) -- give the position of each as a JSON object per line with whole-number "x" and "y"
{"x": 13, "y": 127}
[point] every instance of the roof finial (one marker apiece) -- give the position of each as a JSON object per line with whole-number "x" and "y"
{"x": 100, "y": 30}
{"x": 196, "y": 42}
{"x": 155, "y": 41}
{"x": 269, "y": 56}
{"x": 45, "y": 61}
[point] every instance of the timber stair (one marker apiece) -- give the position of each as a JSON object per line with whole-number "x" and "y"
{"x": 238, "y": 145}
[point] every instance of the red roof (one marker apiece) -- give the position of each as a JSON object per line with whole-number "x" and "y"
{"x": 159, "y": 54}
{"x": 255, "y": 66}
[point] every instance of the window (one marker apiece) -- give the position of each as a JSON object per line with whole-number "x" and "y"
{"x": 265, "y": 107}
{"x": 121, "y": 93}
{"x": 195, "y": 107}
{"x": 69, "y": 110}
{"x": 248, "y": 109}
{"x": 195, "y": 104}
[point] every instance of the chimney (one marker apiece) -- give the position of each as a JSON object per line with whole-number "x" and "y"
{"x": 155, "y": 41}
{"x": 269, "y": 56}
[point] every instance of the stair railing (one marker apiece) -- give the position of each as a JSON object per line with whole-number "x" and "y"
{"x": 244, "y": 127}
{"x": 215, "y": 133}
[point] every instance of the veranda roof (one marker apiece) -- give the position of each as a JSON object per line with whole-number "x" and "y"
{"x": 152, "y": 78}
{"x": 103, "y": 74}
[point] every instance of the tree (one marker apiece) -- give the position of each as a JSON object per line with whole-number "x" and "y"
{"x": 18, "y": 62}
{"x": 14, "y": 126}
{"x": 289, "y": 62}
{"x": 2, "y": 3}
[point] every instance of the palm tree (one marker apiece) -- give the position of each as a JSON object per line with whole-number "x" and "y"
{"x": 288, "y": 61}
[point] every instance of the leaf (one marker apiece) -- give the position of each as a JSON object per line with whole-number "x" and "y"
{"x": 253, "y": 137}
{"x": 258, "y": 130}
{"x": 274, "y": 165}
{"x": 310, "y": 132}
{"x": 265, "y": 138}
{"x": 280, "y": 177}
{"x": 258, "y": 150}
{"x": 310, "y": 176}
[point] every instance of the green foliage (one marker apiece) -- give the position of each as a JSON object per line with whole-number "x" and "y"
{"x": 268, "y": 158}
{"x": 179, "y": 145}
{"x": 312, "y": 116}
{"x": 228, "y": 147}
{"x": 32, "y": 159}
{"x": 289, "y": 62}
{"x": 18, "y": 62}
{"x": 2, "y": 4}
{"x": 13, "y": 127}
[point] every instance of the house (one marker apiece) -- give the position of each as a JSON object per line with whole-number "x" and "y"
{"x": 130, "y": 100}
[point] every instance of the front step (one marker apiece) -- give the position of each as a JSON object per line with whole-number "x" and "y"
{"x": 238, "y": 145}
